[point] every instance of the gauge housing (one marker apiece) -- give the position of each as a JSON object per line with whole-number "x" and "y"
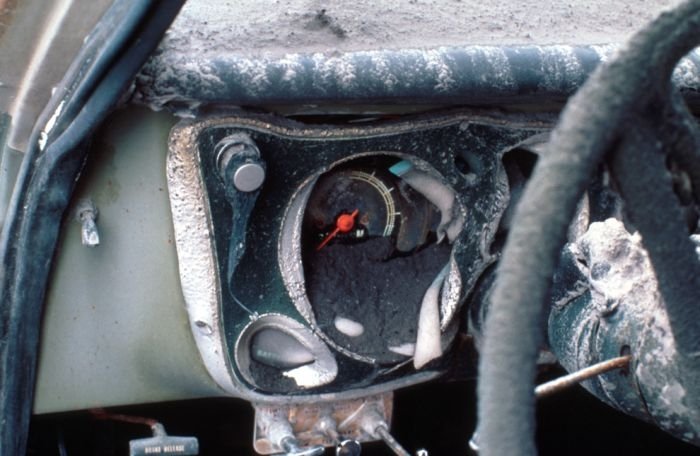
{"x": 374, "y": 281}
{"x": 228, "y": 301}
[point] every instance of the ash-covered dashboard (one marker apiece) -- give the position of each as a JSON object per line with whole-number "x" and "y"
{"x": 335, "y": 221}
{"x": 331, "y": 261}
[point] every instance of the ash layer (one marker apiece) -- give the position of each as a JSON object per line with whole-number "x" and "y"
{"x": 365, "y": 283}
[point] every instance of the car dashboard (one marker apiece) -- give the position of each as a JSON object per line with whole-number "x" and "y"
{"x": 293, "y": 221}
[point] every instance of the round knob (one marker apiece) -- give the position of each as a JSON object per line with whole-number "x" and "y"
{"x": 239, "y": 163}
{"x": 248, "y": 177}
{"x": 291, "y": 447}
{"x": 348, "y": 448}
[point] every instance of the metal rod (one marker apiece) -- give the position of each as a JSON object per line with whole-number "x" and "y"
{"x": 574, "y": 378}
{"x": 61, "y": 442}
{"x": 391, "y": 442}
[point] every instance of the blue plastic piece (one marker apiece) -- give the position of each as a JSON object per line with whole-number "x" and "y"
{"x": 401, "y": 168}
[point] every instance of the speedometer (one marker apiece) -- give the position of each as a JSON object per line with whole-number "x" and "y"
{"x": 352, "y": 204}
{"x": 371, "y": 251}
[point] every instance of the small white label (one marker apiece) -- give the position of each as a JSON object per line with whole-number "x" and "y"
{"x": 165, "y": 449}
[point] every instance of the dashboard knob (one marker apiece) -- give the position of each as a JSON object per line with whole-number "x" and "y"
{"x": 292, "y": 448}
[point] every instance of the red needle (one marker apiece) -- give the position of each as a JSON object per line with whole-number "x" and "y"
{"x": 344, "y": 224}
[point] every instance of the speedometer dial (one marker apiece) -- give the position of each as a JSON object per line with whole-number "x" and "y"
{"x": 370, "y": 253}
{"x": 352, "y": 205}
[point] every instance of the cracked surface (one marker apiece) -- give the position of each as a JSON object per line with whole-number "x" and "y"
{"x": 623, "y": 310}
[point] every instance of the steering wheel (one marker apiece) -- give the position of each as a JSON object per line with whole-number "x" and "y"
{"x": 629, "y": 115}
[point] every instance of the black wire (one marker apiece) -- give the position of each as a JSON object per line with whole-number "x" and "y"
{"x": 46, "y": 184}
{"x": 101, "y": 47}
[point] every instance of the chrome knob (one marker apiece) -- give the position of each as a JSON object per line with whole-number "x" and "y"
{"x": 291, "y": 447}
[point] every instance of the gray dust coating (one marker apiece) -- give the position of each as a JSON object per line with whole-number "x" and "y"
{"x": 272, "y": 28}
{"x": 364, "y": 283}
{"x": 623, "y": 307}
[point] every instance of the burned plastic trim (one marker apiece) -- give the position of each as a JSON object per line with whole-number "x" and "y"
{"x": 218, "y": 319}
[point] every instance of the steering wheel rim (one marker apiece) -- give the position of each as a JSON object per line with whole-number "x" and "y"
{"x": 632, "y": 89}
